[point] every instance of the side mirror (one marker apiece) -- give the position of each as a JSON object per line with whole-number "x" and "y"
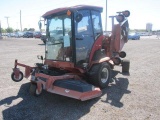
{"x": 79, "y": 17}
{"x": 40, "y": 25}
{"x": 40, "y": 57}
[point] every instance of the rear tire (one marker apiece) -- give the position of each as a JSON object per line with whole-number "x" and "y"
{"x": 125, "y": 66}
{"x": 102, "y": 75}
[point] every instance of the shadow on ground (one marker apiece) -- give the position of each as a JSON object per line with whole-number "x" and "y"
{"x": 42, "y": 44}
{"x": 52, "y": 107}
{"x": 45, "y": 107}
{"x": 116, "y": 90}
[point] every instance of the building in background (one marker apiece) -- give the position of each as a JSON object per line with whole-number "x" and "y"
{"x": 149, "y": 27}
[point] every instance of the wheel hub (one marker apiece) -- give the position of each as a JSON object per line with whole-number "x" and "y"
{"x": 104, "y": 75}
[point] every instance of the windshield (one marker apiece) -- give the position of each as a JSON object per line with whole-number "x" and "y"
{"x": 58, "y": 45}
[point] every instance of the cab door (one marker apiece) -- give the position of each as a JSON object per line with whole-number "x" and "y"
{"x": 84, "y": 37}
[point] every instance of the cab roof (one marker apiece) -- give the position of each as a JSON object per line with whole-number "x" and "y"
{"x": 72, "y": 8}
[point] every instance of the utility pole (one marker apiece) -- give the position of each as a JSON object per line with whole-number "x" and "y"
{"x": 0, "y": 30}
{"x": 20, "y": 21}
{"x": 106, "y": 18}
{"x": 17, "y": 25}
{"x": 7, "y": 21}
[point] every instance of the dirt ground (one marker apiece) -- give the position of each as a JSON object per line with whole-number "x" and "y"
{"x": 135, "y": 96}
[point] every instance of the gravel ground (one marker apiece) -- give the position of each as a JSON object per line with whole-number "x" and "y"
{"x": 135, "y": 96}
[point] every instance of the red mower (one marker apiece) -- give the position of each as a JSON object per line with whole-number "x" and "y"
{"x": 78, "y": 57}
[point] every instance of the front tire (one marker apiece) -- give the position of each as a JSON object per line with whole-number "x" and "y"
{"x": 33, "y": 90}
{"x": 102, "y": 75}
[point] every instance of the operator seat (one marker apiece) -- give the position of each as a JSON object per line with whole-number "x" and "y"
{"x": 65, "y": 54}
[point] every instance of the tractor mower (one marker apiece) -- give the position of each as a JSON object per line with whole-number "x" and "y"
{"x": 79, "y": 58}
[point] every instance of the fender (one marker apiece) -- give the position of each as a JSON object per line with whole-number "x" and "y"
{"x": 105, "y": 59}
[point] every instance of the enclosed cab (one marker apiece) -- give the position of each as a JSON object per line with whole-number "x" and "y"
{"x": 71, "y": 33}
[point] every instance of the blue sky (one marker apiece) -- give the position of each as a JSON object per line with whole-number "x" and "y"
{"x": 142, "y": 11}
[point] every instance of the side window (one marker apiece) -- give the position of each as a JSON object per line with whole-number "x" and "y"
{"x": 67, "y": 27}
{"x": 84, "y": 26}
{"x": 96, "y": 19}
{"x": 67, "y": 35}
